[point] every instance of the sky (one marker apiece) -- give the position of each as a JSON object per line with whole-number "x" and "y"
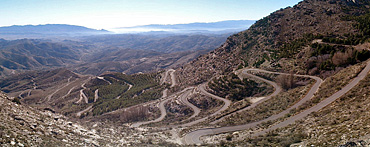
{"x": 108, "y": 14}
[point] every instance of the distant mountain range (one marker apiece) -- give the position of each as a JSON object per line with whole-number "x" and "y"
{"x": 49, "y": 30}
{"x": 64, "y": 30}
{"x": 211, "y": 27}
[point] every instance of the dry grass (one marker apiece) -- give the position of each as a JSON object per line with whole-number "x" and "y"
{"x": 268, "y": 108}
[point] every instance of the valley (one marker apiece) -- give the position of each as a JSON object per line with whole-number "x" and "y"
{"x": 288, "y": 80}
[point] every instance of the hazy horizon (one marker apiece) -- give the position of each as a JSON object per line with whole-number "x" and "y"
{"x": 112, "y": 14}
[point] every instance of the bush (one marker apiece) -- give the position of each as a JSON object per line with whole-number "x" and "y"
{"x": 286, "y": 81}
{"x": 16, "y": 100}
{"x": 233, "y": 88}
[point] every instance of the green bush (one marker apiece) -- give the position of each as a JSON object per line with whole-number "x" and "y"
{"x": 145, "y": 87}
{"x": 233, "y": 88}
{"x": 16, "y": 100}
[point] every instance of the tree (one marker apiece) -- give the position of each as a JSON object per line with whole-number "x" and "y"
{"x": 286, "y": 81}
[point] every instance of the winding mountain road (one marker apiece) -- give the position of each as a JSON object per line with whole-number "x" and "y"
{"x": 322, "y": 104}
{"x": 163, "y": 100}
{"x": 276, "y": 92}
{"x": 51, "y": 95}
{"x": 82, "y": 94}
{"x": 162, "y": 109}
{"x": 194, "y": 137}
{"x": 184, "y": 100}
{"x": 226, "y": 105}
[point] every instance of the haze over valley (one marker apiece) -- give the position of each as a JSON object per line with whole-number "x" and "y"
{"x": 185, "y": 73}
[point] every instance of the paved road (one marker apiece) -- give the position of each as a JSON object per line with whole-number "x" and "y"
{"x": 322, "y": 104}
{"x": 162, "y": 109}
{"x": 194, "y": 137}
{"x": 164, "y": 100}
{"x": 226, "y": 105}
{"x": 276, "y": 92}
{"x": 184, "y": 100}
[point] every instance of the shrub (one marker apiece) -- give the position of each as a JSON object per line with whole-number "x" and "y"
{"x": 16, "y": 100}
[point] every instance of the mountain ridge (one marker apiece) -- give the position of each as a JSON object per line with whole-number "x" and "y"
{"x": 49, "y": 30}
{"x": 329, "y": 39}
{"x": 196, "y": 27}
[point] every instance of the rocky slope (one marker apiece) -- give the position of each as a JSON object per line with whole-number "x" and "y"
{"x": 315, "y": 37}
{"x": 279, "y": 41}
{"x": 24, "y": 126}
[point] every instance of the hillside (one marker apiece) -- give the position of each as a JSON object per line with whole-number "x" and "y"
{"x": 98, "y": 54}
{"x": 283, "y": 41}
{"x": 28, "y": 54}
{"x": 327, "y": 39}
{"x": 298, "y": 77}
{"x": 168, "y": 43}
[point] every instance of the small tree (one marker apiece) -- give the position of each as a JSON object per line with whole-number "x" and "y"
{"x": 286, "y": 81}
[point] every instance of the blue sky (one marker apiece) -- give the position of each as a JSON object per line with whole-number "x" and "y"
{"x": 106, "y": 14}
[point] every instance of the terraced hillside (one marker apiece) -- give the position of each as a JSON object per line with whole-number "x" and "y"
{"x": 297, "y": 77}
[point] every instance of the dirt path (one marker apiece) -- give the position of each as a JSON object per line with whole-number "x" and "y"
{"x": 173, "y": 78}
{"x": 51, "y": 95}
{"x": 102, "y": 78}
{"x": 69, "y": 92}
{"x": 78, "y": 114}
{"x": 96, "y": 96}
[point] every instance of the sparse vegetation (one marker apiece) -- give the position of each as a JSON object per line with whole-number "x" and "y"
{"x": 286, "y": 81}
{"x": 270, "y": 107}
{"x": 135, "y": 114}
{"x": 343, "y": 121}
{"x": 144, "y": 88}
{"x": 233, "y": 88}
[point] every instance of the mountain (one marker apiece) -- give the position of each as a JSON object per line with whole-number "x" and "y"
{"x": 97, "y": 54}
{"x": 329, "y": 39}
{"x": 134, "y": 61}
{"x": 284, "y": 41}
{"x": 48, "y": 30}
{"x": 211, "y": 27}
{"x": 298, "y": 77}
{"x": 167, "y": 43}
{"x": 28, "y": 54}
